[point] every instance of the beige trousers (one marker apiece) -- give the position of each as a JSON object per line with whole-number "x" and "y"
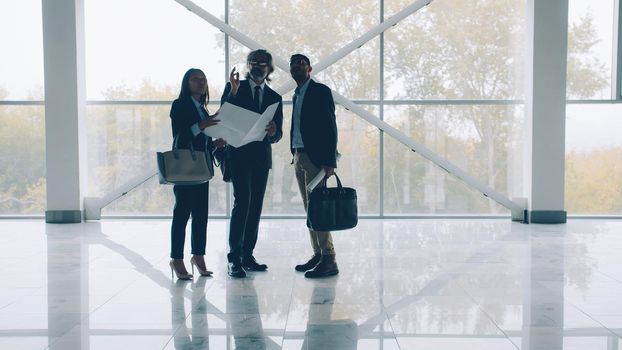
{"x": 322, "y": 242}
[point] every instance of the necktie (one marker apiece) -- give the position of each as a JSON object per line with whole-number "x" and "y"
{"x": 295, "y": 98}
{"x": 256, "y": 98}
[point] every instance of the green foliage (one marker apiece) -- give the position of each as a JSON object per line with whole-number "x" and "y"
{"x": 460, "y": 50}
{"x": 22, "y": 159}
{"x": 586, "y": 72}
{"x": 594, "y": 182}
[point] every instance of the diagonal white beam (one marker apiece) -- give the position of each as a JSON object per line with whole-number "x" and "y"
{"x": 324, "y": 63}
{"x": 516, "y": 209}
{"x": 360, "y": 41}
{"x": 93, "y": 205}
{"x": 234, "y": 33}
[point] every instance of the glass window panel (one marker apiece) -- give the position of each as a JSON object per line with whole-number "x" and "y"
{"x": 21, "y": 61}
{"x": 456, "y": 50}
{"x": 593, "y": 159}
{"x": 485, "y": 141}
{"x": 590, "y": 49}
{"x": 358, "y": 167}
{"x": 357, "y": 75}
{"x": 317, "y": 29}
{"x": 122, "y": 143}
{"x": 151, "y": 198}
{"x": 152, "y": 43}
{"x": 282, "y": 196}
{"x": 22, "y": 160}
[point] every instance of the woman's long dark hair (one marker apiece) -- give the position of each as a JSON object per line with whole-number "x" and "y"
{"x": 185, "y": 88}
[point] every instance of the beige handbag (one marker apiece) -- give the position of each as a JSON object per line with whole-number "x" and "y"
{"x": 184, "y": 166}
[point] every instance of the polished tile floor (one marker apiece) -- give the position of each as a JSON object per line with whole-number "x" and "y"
{"x": 404, "y": 284}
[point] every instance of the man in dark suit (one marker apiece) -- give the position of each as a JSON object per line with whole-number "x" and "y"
{"x": 251, "y": 163}
{"x": 314, "y": 146}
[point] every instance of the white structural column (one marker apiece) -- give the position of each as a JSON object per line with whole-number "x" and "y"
{"x": 63, "y": 52}
{"x": 545, "y": 109}
{"x": 616, "y": 67}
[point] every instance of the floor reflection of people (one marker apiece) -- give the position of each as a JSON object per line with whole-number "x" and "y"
{"x": 543, "y": 293}
{"x": 243, "y": 315}
{"x": 322, "y": 331}
{"x": 198, "y": 337}
{"x": 67, "y": 298}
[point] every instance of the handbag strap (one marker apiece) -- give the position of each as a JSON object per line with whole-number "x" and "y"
{"x": 176, "y": 146}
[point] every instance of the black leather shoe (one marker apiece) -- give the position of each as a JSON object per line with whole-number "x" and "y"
{"x": 251, "y": 264}
{"x": 235, "y": 270}
{"x": 309, "y": 264}
{"x": 326, "y": 267}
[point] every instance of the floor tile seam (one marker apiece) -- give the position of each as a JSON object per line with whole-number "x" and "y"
{"x": 109, "y": 243}
{"x": 64, "y": 334}
{"x": 10, "y": 303}
{"x": 49, "y": 346}
{"x": 488, "y": 316}
{"x": 608, "y": 276}
{"x": 174, "y": 333}
{"x": 110, "y": 246}
{"x": 387, "y": 319}
{"x": 104, "y": 255}
{"x": 445, "y": 277}
{"x": 591, "y": 318}
{"x": 142, "y": 275}
{"x": 289, "y": 307}
{"x": 498, "y": 326}
{"x": 397, "y": 341}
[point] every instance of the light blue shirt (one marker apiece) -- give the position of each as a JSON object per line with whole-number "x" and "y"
{"x": 300, "y": 95}
{"x": 195, "y": 127}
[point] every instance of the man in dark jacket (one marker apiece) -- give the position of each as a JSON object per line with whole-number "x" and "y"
{"x": 314, "y": 146}
{"x": 250, "y": 163}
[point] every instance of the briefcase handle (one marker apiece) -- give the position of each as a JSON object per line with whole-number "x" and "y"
{"x": 176, "y": 145}
{"x": 325, "y": 181}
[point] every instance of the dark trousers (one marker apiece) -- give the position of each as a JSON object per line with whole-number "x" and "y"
{"x": 249, "y": 187}
{"x": 189, "y": 200}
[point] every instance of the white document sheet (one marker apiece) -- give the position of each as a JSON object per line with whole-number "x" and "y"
{"x": 239, "y": 126}
{"x": 318, "y": 178}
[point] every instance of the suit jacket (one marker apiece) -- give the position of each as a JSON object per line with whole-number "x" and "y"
{"x": 183, "y": 115}
{"x": 318, "y": 126}
{"x": 258, "y": 153}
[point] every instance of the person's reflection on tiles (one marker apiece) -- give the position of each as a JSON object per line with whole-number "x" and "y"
{"x": 198, "y": 337}
{"x": 322, "y": 331}
{"x": 243, "y": 315}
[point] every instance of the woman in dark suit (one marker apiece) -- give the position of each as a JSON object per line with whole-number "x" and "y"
{"x": 189, "y": 117}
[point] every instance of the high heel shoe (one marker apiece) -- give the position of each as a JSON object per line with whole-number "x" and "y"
{"x": 181, "y": 275}
{"x": 202, "y": 272}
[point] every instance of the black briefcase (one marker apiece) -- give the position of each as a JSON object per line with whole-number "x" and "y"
{"x": 332, "y": 208}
